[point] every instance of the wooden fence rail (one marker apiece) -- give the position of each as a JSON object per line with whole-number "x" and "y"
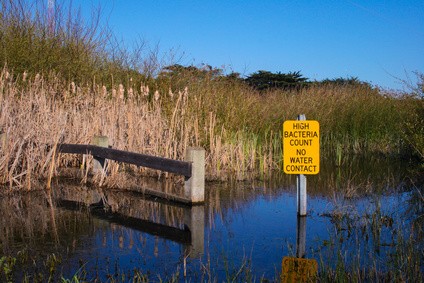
{"x": 193, "y": 168}
{"x": 154, "y": 162}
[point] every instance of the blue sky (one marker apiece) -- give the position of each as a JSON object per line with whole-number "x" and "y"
{"x": 376, "y": 41}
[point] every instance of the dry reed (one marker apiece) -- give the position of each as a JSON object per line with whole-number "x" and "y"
{"x": 37, "y": 116}
{"x": 239, "y": 128}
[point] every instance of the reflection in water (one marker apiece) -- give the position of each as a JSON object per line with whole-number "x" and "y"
{"x": 178, "y": 223}
{"x": 301, "y": 237}
{"x": 194, "y": 218}
{"x": 246, "y": 228}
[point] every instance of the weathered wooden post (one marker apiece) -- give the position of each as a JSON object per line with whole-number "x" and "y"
{"x": 194, "y": 187}
{"x": 98, "y": 162}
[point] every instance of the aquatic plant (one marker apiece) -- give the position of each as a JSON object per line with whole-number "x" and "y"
{"x": 372, "y": 243}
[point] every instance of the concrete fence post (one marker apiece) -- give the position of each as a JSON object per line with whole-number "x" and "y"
{"x": 99, "y": 163}
{"x": 194, "y": 187}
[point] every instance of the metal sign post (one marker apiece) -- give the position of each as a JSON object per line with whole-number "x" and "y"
{"x": 301, "y": 186}
{"x": 300, "y": 157}
{"x": 301, "y": 154}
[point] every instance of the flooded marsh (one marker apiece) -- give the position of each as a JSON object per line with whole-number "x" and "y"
{"x": 362, "y": 226}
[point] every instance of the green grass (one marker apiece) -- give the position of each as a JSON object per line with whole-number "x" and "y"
{"x": 73, "y": 48}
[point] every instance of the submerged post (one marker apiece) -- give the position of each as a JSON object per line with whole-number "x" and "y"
{"x": 194, "y": 186}
{"x": 301, "y": 185}
{"x": 98, "y": 162}
{"x": 301, "y": 237}
{"x": 301, "y": 194}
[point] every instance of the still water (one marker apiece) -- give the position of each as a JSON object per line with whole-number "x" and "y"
{"x": 243, "y": 231}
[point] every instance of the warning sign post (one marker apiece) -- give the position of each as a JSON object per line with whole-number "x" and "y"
{"x": 301, "y": 154}
{"x": 301, "y": 147}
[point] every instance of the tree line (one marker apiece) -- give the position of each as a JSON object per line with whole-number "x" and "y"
{"x": 260, "y": 80}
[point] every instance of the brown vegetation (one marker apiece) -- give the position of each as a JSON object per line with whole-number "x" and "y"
{"x": 238, "y": 127}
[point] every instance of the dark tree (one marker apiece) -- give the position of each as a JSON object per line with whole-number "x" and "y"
{"x": 352, "y": 81}
{"x": 264, "y": 80}
{"x": 191, "y": 71}
{"x": 178, "y": 76}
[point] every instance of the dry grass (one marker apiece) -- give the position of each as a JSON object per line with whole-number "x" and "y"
{"x": 238, "y": 127}
{"x": 38, "y": 115}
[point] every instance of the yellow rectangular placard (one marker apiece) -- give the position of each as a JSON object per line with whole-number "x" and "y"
{"x": 301, "y": 147}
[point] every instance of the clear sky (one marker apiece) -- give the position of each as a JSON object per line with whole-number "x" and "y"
{"x": 376, "y": 41}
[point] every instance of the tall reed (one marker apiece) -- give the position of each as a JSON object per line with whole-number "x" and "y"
{"x": 239, "y": 128}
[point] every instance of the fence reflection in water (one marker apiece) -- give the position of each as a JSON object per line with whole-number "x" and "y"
{"x": 176, "y": 222}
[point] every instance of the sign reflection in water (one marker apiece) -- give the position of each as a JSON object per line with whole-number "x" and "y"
{"x": 299, "y": 269}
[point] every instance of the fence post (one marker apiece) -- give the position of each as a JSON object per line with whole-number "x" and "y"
{"x": 99, "y": 163}
{"x": 194, "y": 187}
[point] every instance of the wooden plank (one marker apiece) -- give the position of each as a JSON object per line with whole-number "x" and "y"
{"x": 154, "y": 162}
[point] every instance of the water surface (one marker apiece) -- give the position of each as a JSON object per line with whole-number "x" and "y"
{"x": 242, "y": 231}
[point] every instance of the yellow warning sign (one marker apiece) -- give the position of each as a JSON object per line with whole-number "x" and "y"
{"x": 298, "y": 270}
{"x": 301, "y": 147}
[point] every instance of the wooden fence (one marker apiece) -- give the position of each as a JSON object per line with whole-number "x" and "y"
{"x": 193, "y": 168}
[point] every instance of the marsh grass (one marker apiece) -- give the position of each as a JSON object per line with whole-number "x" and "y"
{"x": 372, "y": 242}
{"x": 240, "y": 131}
{"x": 358, "y": 264}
